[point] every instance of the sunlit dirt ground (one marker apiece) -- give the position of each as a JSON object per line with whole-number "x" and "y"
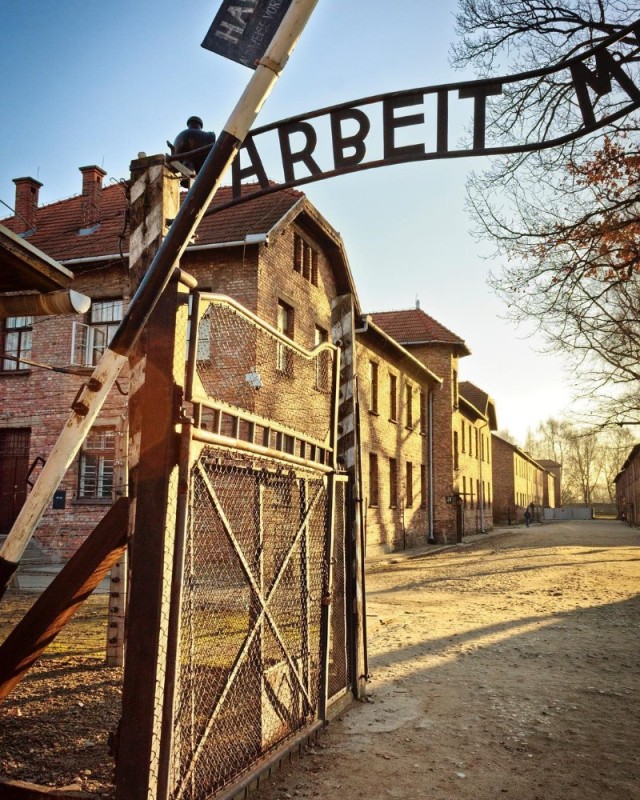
{"x": 506, "y": 669}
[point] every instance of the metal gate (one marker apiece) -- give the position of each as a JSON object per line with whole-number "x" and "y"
{"x": 257, "y": 647}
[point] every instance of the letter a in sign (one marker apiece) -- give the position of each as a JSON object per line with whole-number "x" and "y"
{"x": 243, "y": 29}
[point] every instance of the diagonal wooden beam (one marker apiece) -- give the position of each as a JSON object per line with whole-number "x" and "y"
{"x": 63, "y": 597}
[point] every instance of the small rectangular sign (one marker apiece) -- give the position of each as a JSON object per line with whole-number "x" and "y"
{"x": 243, "y": 29}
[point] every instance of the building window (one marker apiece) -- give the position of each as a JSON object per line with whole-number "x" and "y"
{"x": 456, "y": 459}
{"x": 409, "y": 405}
{"x": 471, "y": 495}
{"x": 90, "y": 341}
{"x": 393, "y": 483}
{"x": 374, "y": 486}
{"x": 477, "y": 444}
{"x": 423, "y": 412}
{"x": 423, "y": 486}
{"x": 373, "y": 387}
{"x": 305, "y": 260}
{"x": 409, "y": 484}
{"x": 16, "y": 342}
{"x": 323, "y": 360}
{"x": 96, "y": 465}
{"x": 284, "y": 324}
{"x": 463, "y": 438}
{"x": 393, "y": 398}
{"x": 464, "y": 491}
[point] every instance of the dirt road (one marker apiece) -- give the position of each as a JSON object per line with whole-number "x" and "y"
{"x": 506, "y": 669}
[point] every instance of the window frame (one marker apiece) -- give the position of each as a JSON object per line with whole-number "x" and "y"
{"x": 393, "y": 397}
{"x": 104, "y": 489}
{"x": 24, "y": 345}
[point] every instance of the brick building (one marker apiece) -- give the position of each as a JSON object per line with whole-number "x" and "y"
{"x": 553, "y": 493}
{"x": 473, "y": 421}
{"x": 627, "y": 483}
{"x": 276, "y": 255}
{"x": 440, "y": 350}
{"x": 519, "y": 482}
{"x": 395, "y": 393}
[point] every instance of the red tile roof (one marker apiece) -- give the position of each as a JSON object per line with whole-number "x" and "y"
{"x": 479, "y": 399}
{"x": 474, "y": 395}
{"x": 413, "y": 326}
{"x": 58, "y": 224}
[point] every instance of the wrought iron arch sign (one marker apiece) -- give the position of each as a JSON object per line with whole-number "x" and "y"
{"x": 582, "y": 81}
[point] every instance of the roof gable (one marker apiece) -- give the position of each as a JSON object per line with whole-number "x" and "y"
{"x": 413, "y": 326}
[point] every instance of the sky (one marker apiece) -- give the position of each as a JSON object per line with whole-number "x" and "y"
{"x": 88, "y": 82}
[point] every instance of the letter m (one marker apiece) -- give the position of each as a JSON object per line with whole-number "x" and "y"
{"x": 600, "y": 82}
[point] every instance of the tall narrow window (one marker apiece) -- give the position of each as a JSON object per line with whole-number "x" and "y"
{"x": 456, "y": 455}
{"x": 477, "y": 444}
{"x": 16, "y": 342}
{"x": 373, "y": 387}
{"x": 323, "y": 360}
{"x": 409, "y": 484}
{"x": 90, "y": 341}
{"x": 374, "y": 486}
{"x": 96, "y": 465}
{"x": 423, "y": 412}
{"x": 423, "y": 485}
{"x": 393, "y": 397}
{"x": 408, "y": 392}
{"x": 284, "y": 324}
{"x": 463, "y": 437}
{"x": 393, "y": 483}
{"x": 464, "y": 491}
{"x": 305, "y": 259}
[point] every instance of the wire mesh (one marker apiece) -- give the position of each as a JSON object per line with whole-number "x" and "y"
{"x": 338, "y": 650}
{"x": 250, "y": 660}
{"x": 251, "y": 368}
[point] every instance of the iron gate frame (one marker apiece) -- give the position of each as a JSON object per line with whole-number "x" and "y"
{"x": 317, "y": 457}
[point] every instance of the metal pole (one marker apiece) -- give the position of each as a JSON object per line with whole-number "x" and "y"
{"x": 94, "y": 392}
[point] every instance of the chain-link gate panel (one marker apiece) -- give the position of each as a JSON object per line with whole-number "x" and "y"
{"x": 251, "y": 629}
{"x": 254, "y": 577}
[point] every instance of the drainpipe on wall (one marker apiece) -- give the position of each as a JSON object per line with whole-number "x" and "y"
{"x": 432, "y": 537}
{"x": 481, "y": 493}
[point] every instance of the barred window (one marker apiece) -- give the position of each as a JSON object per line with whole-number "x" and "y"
{"x": 16, "y": 342}
{"x": 97, "y": 457}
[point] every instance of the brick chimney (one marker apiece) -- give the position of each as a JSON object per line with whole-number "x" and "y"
{"x": 91, "y": 194}
{"x": 26, "y": 205}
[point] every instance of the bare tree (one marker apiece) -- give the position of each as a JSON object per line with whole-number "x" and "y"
{"x": 567, "y": 219}
{"x": 590, "y": 458}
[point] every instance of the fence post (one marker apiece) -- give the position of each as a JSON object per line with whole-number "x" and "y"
{"x": 343, "y": 330}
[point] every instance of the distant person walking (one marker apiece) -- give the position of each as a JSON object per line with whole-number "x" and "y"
{"x": 527, "y": 517}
